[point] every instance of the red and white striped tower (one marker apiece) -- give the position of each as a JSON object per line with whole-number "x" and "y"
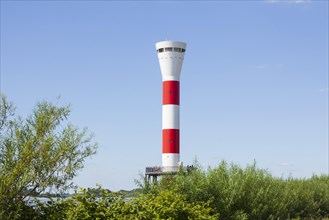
{"x": 171, "y": 56}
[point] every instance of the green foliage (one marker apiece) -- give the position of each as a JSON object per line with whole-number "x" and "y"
{"x": 226, "y": 191}
{"x": 251, "y": 193}
{"x": 168, "y": 204}
{"x": 102, "y": 204}
{"x": 90, "y": 204}
{"x": 39, "y": 153}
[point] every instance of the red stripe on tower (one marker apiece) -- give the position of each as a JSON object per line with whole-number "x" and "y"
{"x": 170, "y": 92}
{"x": 170, "y": 141}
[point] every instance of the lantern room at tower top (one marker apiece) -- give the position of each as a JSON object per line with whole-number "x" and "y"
{"x": 171, "y": 56}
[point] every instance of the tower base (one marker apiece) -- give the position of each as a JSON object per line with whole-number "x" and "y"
{"x": 152, "y": 173}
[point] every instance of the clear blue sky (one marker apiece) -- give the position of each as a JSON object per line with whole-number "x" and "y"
{"x": 254, "y": 82}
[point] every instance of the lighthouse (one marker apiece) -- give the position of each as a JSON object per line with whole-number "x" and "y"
{"x": 171, "y": 57}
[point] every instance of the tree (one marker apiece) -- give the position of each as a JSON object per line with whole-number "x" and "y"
{"x": 43, "y": 152}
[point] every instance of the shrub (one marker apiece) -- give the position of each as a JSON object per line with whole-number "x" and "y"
{"x": 252, "y": 193}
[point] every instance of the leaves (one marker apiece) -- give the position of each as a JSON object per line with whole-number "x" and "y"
{"x": 42, "y": 152}
{"x": 251, "y": 193}
{"x": 101, "y": 204}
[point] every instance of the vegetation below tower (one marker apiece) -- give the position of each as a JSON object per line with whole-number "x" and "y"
{"x": 223, "y": 192}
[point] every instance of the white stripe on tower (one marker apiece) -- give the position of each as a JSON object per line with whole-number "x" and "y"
{"x": 171, "y": 56}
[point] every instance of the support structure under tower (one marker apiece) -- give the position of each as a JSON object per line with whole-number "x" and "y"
{"x": 152, "y": 174}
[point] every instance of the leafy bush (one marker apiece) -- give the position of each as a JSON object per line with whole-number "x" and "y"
{"x": 251, "y": 193}
{"x": 101, "y": 204}
{"x": 226, "y": 192}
